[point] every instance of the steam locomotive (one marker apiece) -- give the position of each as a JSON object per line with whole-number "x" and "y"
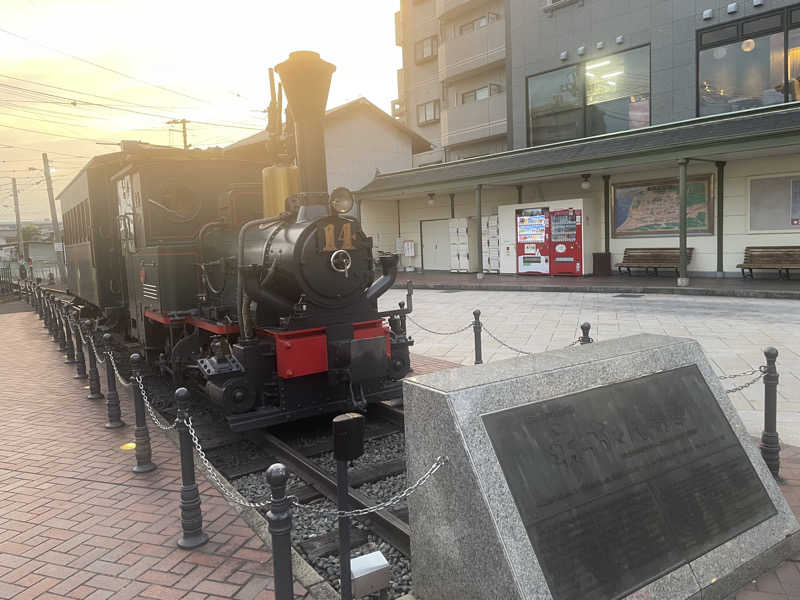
{"x": 253, "y": 284}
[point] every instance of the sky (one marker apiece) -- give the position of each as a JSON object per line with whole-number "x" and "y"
{"x": 174, "y": 59}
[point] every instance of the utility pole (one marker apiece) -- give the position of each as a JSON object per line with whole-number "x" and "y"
{"x": 57, "y": 241}
{"x": 20, "y": 242}
{"x": 182, "y": 123}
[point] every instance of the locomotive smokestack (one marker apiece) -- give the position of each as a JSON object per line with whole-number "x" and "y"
{"x": 306, "y": 78}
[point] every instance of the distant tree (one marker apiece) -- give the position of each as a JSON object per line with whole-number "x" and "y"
{"x": 31, "y": 233}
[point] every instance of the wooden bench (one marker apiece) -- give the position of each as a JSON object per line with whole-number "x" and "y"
{"x": 781, "y": 258}
{"x": 653, "y": 258}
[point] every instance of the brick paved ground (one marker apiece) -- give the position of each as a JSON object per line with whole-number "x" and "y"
{"x": 75, "y": 522}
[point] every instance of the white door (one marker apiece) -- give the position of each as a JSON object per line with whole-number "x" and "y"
{"x": 436, "y": 245}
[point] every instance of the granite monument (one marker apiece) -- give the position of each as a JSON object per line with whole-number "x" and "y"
{"x": 613, "y": 470}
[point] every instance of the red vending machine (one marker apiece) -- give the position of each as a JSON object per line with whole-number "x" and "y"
{"x": 533, "y": 241}
{"x": 565, "y": 242}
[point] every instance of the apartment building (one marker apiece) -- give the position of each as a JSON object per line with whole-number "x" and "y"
{"x": 606, "y": 107}
{"x": 452, "y": 87}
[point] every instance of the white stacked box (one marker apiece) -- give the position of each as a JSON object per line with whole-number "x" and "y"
{"x": 490, "y": 235}
{"x": 464, "y": 245}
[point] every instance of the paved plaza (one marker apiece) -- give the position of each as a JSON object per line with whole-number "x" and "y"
{"x": 733, "y": 332}
{"x": 75, "y": 522}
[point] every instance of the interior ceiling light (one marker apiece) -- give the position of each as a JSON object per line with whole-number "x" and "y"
{"x": 614, "y": 74}
{"x": 586, "y": 184}
{"x": 748, "y": 45}
{"x": 602, "y": 63}
{"x": 720, "y": 52}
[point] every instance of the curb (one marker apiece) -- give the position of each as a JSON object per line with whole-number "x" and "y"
{"x": 606, "y": 289}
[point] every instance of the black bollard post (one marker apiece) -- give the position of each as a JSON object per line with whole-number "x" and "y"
{"x": 45, "y": 312}
{"x": 280, "y": 529}
{"x": 112, "y": 397}
{"x": 62, "y": 340}
{"x": 80, "y": 359}
{"x": 144, "y": 462}
{"x": 402, "y": 306}
{"x": 770, "y": 446}
{"x": 585, "y": 328}
{"x": 348, "y": 444}
{"x": 94, "y": 375}
{"x": 69, "y": 359}
{"x": 476, "y": 329}
{"x": 192, "y": 534}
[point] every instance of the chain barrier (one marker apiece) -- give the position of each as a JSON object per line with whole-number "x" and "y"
{"x": 120, "y": 378}
{"x": 212, "y": 475}
{"x": 761, "y": 372}
{"x": 742, "y": 374}
{"x": 502, "y": 343}
{"x": 99, "y": 360}
{"x": 139, "y": 380}
{"x": 468, "y": 326}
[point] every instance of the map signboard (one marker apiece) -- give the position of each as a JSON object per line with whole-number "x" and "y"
{"x": 651, "y": 208}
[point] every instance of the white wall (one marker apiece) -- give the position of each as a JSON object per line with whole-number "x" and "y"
{"x": 735, "y": 231}
{"x": 356, "y": 144}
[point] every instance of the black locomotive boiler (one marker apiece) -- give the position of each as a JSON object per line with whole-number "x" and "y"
{"x": 262, "y": 295}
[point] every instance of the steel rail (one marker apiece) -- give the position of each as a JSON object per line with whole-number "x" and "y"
{"x": 390, "y": 527}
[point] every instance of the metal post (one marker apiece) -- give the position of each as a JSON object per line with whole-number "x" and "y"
{"x": 62, "y": 340}
{"x": 280, "y": 528}
{"x": 58, "y": 246}
{"x": 683, "y": 274}
{"x": 20, "y": 240}
{"x": 112, "y": 397}
{"x": 478, "y": 211}
{"x": 348, "y": 444}
{"x": 606, "y": 213}
{"x": 69, "y": 359}
{"x": 585, "y": 328}
{"x": 343, "y": 502}
{"x": 476, "y": 329}
{"x": 144, "y": 461}
{"x": 45, "y": 311}
{"x": 192, "y": 534}
{"x": 94, "y": 375}
{"x": 80, "y": 359}
{"x": 720, "y": 217}
{"x": 770, "y": 447}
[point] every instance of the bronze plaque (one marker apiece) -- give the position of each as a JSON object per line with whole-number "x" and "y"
{"x": 618, "y": 485}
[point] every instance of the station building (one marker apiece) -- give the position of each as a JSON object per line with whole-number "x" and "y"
{"x": 608, "y": 106}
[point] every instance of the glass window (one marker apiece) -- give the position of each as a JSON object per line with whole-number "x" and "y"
{"x": 601, "y": 96}
{"x": 481, "y": 93}
{"x": 794, "y": 64}
{"x": 762, "y": 25}
{"x": 618, "y": 92}
{"x": 744, "y": 74}
{"x": 796, "y": 16}
{"x": 775, "y": 203}
{"x": 428, "y": 112}
{"x": 426, "y": 49}
{"x": 478, "y": 23}
{"x": 721, "y": 34}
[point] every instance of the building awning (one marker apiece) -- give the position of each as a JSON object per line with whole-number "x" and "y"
{"x": 712, "y": 137}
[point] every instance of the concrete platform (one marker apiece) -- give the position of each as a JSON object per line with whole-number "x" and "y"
{"x": 762, "y": 287}
{"x": 75, "y": 522}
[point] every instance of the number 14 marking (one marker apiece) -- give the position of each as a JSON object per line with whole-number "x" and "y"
{"x": 344, "y": 239}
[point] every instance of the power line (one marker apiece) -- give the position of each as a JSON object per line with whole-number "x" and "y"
{"x": 130, "y": 110}
{"x": 103, "y": 67}
{"x": 69, "y": 137}
{"x": 40, "y": 150}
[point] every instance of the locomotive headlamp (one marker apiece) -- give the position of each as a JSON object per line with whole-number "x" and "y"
{"x": 341, "y": 200}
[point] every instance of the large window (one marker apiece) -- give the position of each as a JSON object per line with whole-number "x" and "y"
{"x": 427, "y": 49}
{"x": 428, "y": 112}
{"x": 482, "y": 93}
{"x": 749, "y": 63}
{"x": 775, "y": 203}
{"x": 601, "y": 96}
{"x": 478, "y": 23}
